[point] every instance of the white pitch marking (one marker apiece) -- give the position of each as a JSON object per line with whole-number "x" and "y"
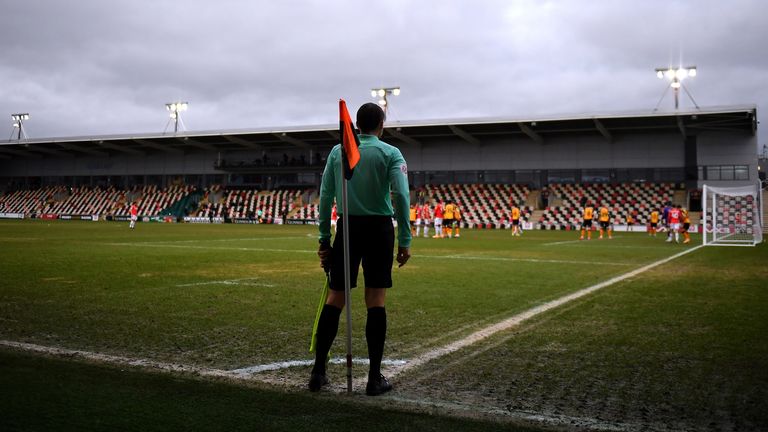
{"x": 229, "y": 282}
{"x": 223, "y": 240}
{"x": 578, "y": 241}
{"x": 519, "y": 318}
{"x": 562, "y": 242}
{"x": 157, "y": 245}
{"x": 533, "y": 260}
{"x": 111, "y": 359}
{"x": 451, "y": 257}
{"x": 294, "y": 363}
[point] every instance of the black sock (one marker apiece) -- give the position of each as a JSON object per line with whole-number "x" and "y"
{"x": 375, "y": 334}
{"x": 327, "y": 327}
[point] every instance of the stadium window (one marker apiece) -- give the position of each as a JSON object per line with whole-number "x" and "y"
{"x": 668, "y": 174}
{"x": 524, "y": 176}
{"x": 503, "y": 177}
{"x": 741, "y": 172}
{"x": 713, "y": 173}
{"x": 726, "y": 172}
{"x": 442, "y": 177}
{"x": 596, "y": 176}
{"x": 561, "y": 176}
{"x": 465, "y": 177}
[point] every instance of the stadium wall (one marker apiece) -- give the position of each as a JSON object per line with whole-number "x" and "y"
{"x": 451, "y": 154}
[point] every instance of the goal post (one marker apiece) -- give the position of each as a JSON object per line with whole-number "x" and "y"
{"x": 732, "y": 216}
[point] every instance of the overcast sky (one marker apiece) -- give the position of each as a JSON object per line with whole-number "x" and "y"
{"x": 85, "y": 67}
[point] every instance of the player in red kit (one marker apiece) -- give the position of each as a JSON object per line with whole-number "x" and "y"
{"x": 439, "y": 220}
{"x": 334, "y": 218}
{"x": 422, "y": 219}
{"x": 134, "y": 211}
{"x": 674, "y": 223}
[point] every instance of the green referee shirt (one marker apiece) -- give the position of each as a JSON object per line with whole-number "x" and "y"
{"x": 382, "y": 170}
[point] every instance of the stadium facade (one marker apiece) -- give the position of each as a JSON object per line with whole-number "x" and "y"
{"x": 717, "y": 146}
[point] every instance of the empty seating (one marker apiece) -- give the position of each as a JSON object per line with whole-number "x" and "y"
{"x": 637, "y": 199}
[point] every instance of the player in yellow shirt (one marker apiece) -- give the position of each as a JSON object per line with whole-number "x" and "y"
{"x": 586, "y": 223}
{"x": 654, "y": 222}
{"x": 457, "y": 218}
{"x": 448, "y": 218}
{"x": 515, "y": 217}
{"x": 413, "y": 220}
{"x": 686, "y": 224}
{"x": 630, "y": 221}
{"x": 604, "y": 219}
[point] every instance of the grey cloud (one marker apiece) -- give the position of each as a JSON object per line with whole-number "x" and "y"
{"x": 93, "y": 67}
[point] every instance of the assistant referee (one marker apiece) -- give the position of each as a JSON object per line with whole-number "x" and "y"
{"x": 380, "y": 173}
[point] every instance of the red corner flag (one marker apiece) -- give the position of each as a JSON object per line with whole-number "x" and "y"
{"x": 349, "y": 141}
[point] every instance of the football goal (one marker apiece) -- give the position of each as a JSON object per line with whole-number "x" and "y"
{"x": 732, "y": 216}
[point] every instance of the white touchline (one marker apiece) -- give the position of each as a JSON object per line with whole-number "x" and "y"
{"x": 450, "y": 257}
{"x": 519, "y": 318}
{"x": 510, "y": 259}
{"x": 111, "y": 359}
{"x": 158, "y": 245}
{"x": 293, "y": 363}
{"x": 224, "y": 240}
{"x": 243, "y": 281}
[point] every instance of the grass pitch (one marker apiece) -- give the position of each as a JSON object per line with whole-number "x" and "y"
{"x": 679, "y": 347}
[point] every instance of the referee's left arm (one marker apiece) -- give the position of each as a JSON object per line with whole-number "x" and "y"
{"x": 398, "y": 179}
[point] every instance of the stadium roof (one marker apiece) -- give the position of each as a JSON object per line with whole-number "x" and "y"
{"x": 732, "y": 119}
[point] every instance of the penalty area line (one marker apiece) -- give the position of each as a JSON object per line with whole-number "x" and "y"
{"x": 515, "y": 320}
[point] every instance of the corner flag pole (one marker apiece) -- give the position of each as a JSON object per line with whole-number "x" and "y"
{"x": 350, "y": 158}
{"x": 347, "y": 283}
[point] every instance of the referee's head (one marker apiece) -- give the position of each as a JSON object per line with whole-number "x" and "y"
{"x": 370, "y": 119}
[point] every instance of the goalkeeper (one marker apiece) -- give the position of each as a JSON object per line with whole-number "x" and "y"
{"x": 381, "y": 169}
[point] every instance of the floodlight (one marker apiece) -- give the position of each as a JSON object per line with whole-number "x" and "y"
{"x": 676, "y": 76}
{"x": 175, "y": 109}
{"x": 382, "y": 92}
{"x": 18, "y": 123}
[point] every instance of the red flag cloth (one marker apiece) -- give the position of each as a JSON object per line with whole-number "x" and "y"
{"x": 349, "y": 141}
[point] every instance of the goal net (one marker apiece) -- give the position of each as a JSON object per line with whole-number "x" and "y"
{"x": 732, "y": 216}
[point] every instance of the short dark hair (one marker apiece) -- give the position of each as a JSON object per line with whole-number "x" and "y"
{"x": 369, "y": 117}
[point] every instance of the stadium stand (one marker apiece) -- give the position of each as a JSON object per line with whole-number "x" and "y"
{"x": 637, "y": 199}
{"x": 482, "y": 205}
{"x": 246, "y": 203}
{"x": 60, "y": 200}
{"x": 485, "y": 205}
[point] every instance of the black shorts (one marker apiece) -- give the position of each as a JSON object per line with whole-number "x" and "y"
{"x": 654, "y": 224}
{"x": 372, "y": 242}
{"x": 604, "y": 225}
{"x": 686, "y": 226}
{"x": 448, "y": 222}
{"x": 515, "y": 221}
{"x": 587, "y": 223}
